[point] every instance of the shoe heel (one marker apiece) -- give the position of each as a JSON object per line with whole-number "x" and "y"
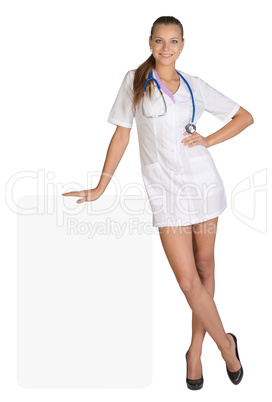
{"x": 193, "y": 385}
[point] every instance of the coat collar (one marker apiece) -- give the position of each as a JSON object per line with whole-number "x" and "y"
{"x": 163, "y": 87}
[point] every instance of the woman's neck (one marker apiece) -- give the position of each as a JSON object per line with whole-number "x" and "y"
{"x": 166, "y": 73}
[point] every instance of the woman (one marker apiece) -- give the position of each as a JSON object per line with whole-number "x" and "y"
{"x": 185, "y": 190}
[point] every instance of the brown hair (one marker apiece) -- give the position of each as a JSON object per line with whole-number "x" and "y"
{"x": 142, "y": 72}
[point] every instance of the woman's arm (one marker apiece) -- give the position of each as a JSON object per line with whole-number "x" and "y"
{"x": 116, "y": 149}
{"x": 241, "y": 120}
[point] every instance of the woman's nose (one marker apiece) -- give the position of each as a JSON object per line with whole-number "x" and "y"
{"x": 166, "y": 49}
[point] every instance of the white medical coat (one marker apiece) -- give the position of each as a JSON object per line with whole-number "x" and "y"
{"x": 182, "y": 183}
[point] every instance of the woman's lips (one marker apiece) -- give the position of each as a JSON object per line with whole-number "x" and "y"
{"x": 165, "y": 56}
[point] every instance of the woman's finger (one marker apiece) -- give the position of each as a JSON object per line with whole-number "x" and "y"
{"x": 75, "y": 193}
{"x": 82, "y": 200}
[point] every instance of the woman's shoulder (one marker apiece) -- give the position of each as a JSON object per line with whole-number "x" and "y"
{"x": 128, "y": 76}
{"x": 130, "y": 73}
{"x": 196, "y": 83}
{"x": 189, "y": 77}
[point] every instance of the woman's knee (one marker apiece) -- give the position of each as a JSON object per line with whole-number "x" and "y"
{"x": 190, "y": 284}
{"x": 205, "y": 267}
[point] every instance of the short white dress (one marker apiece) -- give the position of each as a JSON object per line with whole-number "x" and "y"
{"x": 182, "y": 183}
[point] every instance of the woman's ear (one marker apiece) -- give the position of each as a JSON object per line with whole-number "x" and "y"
{"x": 182, "y": 43}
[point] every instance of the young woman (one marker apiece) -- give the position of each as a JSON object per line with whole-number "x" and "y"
{"x": 185, "y": 190}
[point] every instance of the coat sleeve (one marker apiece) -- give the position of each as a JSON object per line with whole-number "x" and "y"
{"x": 217, "y": 103}
{"x": 122, "y": 113}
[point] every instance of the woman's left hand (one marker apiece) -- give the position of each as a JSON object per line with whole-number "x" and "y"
{"x": 195, "y": 139}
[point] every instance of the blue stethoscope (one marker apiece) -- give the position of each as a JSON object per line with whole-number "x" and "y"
{"x": 190, "y": 127}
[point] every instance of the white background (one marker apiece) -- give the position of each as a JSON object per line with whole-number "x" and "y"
{"x": 62, "y": 63}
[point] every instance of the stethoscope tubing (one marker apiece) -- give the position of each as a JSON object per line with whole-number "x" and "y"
{"x": 191, "y": 93}
{"x": 192, "y": 96}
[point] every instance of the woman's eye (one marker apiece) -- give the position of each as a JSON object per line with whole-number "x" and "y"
{"x": 159, "y": 40}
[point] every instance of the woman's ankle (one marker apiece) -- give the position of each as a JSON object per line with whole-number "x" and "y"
{"x": 226, "y": 349}
{"x": 195, "y": 350}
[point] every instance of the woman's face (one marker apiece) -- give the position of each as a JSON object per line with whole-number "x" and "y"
{"x": 166, "y": 43}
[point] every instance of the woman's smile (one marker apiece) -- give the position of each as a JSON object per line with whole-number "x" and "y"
{"x": 165, "y": 55}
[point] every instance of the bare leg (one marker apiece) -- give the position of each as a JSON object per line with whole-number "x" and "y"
{"x": 203, "y": 246}
{"x": 178, "y": 246}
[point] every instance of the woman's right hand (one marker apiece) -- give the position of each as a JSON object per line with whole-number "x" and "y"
{"x": 88, "y": 195}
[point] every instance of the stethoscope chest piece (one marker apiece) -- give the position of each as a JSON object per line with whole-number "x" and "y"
{"x": 190, "y": 128}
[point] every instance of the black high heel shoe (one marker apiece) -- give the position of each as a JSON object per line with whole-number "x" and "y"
{"x": 193, "y": 384}
{"x": 235, "y": 376}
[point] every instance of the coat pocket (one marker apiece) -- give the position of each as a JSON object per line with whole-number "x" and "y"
{"x": 155, "y": 188}
{"x": 205, "y": 172}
